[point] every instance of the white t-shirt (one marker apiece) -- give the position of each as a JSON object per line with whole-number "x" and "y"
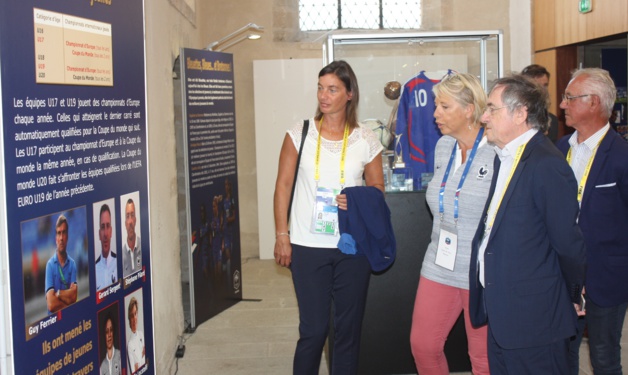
{"x": 362, "y": 147}
{"x": 135, "y": 352}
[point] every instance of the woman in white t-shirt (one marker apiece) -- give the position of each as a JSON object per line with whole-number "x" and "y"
{"x": 337, "y": 153}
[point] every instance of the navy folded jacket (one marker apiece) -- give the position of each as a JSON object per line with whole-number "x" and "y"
{"x": 367, "y": 221}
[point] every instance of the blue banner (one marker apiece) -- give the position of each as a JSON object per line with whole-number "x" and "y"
{"x": 208, "y": 95}
{"x": 75, "y": 179}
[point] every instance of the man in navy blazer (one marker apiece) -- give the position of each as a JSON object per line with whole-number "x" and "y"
{"x": 528, "y": 258}
{"x": 599, "y": 159}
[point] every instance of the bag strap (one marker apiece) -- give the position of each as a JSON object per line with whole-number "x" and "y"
{"x": 306, "y": 125}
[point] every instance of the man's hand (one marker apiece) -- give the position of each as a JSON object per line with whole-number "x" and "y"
{"x": 580, "y": 308}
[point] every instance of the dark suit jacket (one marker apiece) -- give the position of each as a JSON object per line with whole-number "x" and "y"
{"x": 552, "y": 132}
{"x": 535, "y": 258}
{"x": 604, "y": 221}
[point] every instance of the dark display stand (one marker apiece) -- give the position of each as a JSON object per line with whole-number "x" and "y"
{"x": 385, "y": 344}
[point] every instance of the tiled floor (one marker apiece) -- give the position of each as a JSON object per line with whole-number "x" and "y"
{"x": 258, "y": 335}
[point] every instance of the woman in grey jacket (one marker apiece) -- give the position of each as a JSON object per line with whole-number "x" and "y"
{"x": 456, "y": 196}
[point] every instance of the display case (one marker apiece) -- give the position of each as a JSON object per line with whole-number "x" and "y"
{"x": 402, "y": 58}
{"x": 384, "y": 57}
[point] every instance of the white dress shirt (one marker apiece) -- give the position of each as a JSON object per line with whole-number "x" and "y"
{"x": 507, "y": 158}
{"x": 581, "y": 153}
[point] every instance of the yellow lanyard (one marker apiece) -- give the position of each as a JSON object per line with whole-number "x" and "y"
{"x": 343, "y": 155}
{"x": 512, "y": 172}
{"x": 587, "y": 169}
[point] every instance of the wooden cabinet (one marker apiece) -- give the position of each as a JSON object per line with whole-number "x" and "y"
{"x": 609, "y": 17}
{"x": 558, "y": 22}
{"x": 570, "y": 24}
{"x": 544, "y": 24}
{"x": 558, "y": 29}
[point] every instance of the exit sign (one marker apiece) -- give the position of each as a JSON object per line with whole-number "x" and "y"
{"x": 585, "y": 6}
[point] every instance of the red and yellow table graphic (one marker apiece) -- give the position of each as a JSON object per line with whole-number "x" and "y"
{"x": 72, "y": 50}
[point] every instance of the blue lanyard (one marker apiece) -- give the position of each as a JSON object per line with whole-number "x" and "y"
{"x": 441, "y": 194}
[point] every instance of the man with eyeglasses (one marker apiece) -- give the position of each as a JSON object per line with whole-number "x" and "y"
{"x": 599, "y": 159}
{"x": 528, "y": 256}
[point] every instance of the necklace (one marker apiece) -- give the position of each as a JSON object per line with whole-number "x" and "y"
{"x": 333, "y": 135}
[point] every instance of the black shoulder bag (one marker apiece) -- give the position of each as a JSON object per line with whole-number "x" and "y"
{"x": 306, "y": 126}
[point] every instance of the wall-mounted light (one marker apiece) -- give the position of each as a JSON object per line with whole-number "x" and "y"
{"x": 236, "y": 41}
{"x": 235, "y": 38}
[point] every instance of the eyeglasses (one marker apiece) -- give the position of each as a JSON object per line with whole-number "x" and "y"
{"x": 569, "y": 98}
{"x": 491, "y": 110}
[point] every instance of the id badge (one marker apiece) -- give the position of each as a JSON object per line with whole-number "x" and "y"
{"x": 325, "y": 215}
{"x": 447, "y": 247}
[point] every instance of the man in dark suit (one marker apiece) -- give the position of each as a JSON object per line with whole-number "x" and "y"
{"x": 599, "y": 159}
{"x": 528, "y": 259}
{"x": 540, "y": 75}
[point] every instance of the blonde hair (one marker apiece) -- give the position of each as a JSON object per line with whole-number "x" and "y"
{"x": 465, "y": 89}
{"x": 132, "y": 304}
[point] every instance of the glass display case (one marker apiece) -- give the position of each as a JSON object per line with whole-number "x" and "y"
{"x": 380, "y": 59}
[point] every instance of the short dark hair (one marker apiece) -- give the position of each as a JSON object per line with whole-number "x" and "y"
{"x": 104, "y": 208}
{"x": 520, "y": 92}
{"x": 534, "y": 71}
{"x": 109, "y": 316}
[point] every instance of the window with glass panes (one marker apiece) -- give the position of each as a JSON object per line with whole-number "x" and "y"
{"x": 318, "y": 15}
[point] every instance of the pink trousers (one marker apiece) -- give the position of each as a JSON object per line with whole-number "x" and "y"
{"x": 436, "y": 309}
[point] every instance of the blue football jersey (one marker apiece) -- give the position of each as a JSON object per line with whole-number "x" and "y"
{"x": 419, "y": 133}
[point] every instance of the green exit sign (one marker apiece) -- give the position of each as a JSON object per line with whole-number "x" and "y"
{"x": 585, "y": 6}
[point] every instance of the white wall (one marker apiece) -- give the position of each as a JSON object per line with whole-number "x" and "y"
{"x": 285, "y": 93}
{"x": 520, "y": 35}
{"x": 166, "y": 30}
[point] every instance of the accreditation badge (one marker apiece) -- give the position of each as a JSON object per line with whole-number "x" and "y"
{"x": 325, "y": 215}
{"x": 447, "y": 247}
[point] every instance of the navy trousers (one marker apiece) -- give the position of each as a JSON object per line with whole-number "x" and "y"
{"x": 322, "y": 277}
{"x": 550, "y": 359}
{"x": 604, "y": 326}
